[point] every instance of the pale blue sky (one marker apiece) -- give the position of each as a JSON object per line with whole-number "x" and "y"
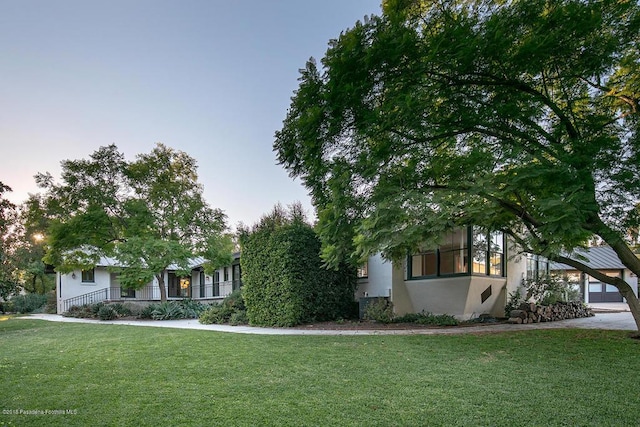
{"x": 212, "y": 78}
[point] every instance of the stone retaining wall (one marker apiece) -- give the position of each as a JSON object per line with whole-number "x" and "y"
{"x": 533, "y": 313}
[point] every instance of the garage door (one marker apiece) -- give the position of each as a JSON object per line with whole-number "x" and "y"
{"x": 601, "y": 292}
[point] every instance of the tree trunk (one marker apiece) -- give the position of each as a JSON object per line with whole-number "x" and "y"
{"x": 620, "y": 284}
{"x": 163, "y": 290}
{"x": 628, "y": 258}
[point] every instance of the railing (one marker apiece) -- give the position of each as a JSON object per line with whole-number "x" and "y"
{"x": 90, "y": 298}
{"x": 152, "y": 293}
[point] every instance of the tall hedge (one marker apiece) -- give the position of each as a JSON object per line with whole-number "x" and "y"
{"x": 284, "y": 282}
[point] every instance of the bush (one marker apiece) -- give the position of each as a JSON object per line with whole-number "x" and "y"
{"x": 85, "y": 311}
{"x": 28, "y": 303}
{"x": 285, "y": 283}
{"x": 514, "y": 301}
{"x": 426, "y": 318}
{"x": 239, "y": 318}
{"x": 147, "y": 312}
{"x": 51, "y": 306}
{"x": 95, "y": 308}
{"x": 216, "y": 314}
{"x": 379, "y": 310}
{"x": 107, "y": 312}
{"x": 550, "y": 289}
{"x": 191, "y": 309}
{"x": 168, "y": 310}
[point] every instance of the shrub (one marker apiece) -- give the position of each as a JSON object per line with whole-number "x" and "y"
{"x": 147, "y": 312}
{"x": 85, "y": 311}
{"x": 550, "y": 289}
{"x": 216, "y": 313}
{"x": 239, "y": 318}
{"x": 107, "y": 312}
{"x": 379, "y": 310}
{"x": 426, "y": 318}
{"x": 95, "y": 308}
{"x": 168, "y": 310}
{"x": 51, "y": 305}
{"x": 28, "y": 303}
{"x": 232, "y": 305}
{"x": 191, "y": 309}
{"x": 285, "y": 283}
{"x": 120, "y": 309}
{"x": 514, "y": 301}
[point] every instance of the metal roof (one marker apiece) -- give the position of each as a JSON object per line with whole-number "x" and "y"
{"x": 597, "y": 257}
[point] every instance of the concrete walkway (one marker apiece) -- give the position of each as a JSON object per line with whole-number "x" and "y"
{"x": 618, "y": 320}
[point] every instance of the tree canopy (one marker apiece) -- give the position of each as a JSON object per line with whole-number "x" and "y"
{"x": 148, "y": 214}
{"x": 8, "y": 278}
{"x": 520, "y": 116}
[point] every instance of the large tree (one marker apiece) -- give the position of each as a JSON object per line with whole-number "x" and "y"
{"x": 9, "y": 281}
{"x": 148, "y": 214}
{"x": 520, "y": 116}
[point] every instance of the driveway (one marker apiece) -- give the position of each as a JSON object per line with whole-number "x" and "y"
{"x": 618, "y": 320}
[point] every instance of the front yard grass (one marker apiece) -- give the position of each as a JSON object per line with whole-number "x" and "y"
{"x": 127, "y": 375}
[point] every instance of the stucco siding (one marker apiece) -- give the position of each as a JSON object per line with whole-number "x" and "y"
{"x": 378, "y": 281}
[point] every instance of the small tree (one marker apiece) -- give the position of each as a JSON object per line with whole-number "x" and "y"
{"x": 285, "y": 283}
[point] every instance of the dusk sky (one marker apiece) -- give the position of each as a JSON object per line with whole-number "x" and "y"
{"x": 211, "y": 78}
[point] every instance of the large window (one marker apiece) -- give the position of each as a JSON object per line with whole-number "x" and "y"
{"x": 484, "y": 249}
{"x": 89, "y": 276}
{"x": 179, "y": 286}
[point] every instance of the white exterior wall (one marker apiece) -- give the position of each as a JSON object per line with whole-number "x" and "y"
{"x": 378, "y": 281}
{"x": 68, "y": 287}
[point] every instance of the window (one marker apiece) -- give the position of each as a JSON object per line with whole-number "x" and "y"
{"x": 127, "y": 293}
{"x": 450, "y": 258}
{"x": 424, "y": 264}
{"x": 226, "y": 274}
{"x": 236, "y": 277}
{"x": 89, "y": 276}
{"x": 179, "y": 286}
{"x": 453, "y": 253}
{"x": 468, "y": 250}
{"x": 537, "y": 266}
{"x": 496, "y": 254}
{"x": 363, "y": 270}
{"x": 216, "y": 284}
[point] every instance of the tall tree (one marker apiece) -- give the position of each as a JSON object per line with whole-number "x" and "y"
{"x": 148, "y": 214}
{"x": 520, "y": 116}
{"x": 9, "y": 282}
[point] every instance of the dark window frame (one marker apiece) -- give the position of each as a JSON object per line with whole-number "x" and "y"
{"x": 88, "y": 276}
{"x": 469, "y": 253}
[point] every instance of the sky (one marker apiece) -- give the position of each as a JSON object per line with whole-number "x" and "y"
{"x": 212, "y": 78}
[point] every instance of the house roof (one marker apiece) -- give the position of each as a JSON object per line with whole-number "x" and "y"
{"x": 597, "y": 257}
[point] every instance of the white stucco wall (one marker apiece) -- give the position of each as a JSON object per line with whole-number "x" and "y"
{"x": 378, "y": 281}
{"x": 70, "y": 287}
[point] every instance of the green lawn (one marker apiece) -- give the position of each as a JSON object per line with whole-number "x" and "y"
{"x": 127, "y": 375}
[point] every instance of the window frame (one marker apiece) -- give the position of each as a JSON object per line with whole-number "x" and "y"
{"x": 469, "y": 255}
{"x": 88, "y": 276}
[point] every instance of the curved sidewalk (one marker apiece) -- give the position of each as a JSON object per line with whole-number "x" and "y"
{"x": 617, "y": 321}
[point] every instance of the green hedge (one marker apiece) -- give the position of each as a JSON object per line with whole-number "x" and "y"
{"x": 284, "y": 283}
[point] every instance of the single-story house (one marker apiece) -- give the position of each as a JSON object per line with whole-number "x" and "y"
{"x": 101, "y": 284}
{"x": 604, "y": 260}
